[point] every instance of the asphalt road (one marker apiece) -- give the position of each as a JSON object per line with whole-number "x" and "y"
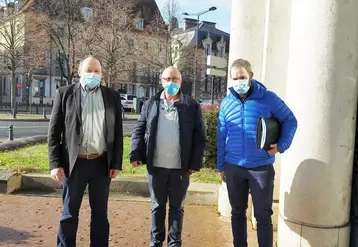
{"x": 26, "y": 129}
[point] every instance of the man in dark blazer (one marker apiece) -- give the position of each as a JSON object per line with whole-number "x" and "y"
{"x": 85, "y": 145}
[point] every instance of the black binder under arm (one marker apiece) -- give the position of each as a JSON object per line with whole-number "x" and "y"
{"x": 267, "y": 133}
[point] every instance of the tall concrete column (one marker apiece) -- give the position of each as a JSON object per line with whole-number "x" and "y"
{"x": 247, "y": 36}
{"x": 322, "y": 92}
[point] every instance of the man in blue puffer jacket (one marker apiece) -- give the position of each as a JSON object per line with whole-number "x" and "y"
{"x": 242, "y": 165}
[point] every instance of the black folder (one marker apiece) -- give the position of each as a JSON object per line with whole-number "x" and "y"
{"x": 267, "y": 133}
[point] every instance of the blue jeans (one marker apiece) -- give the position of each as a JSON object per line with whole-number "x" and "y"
{"x": 260, "y": 182}
{"x": 167, "y": 184}
{"x": 95, "y": 174}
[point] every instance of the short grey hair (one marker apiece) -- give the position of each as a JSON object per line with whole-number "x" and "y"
{"x": 238, "y": 63}
{"x": 173, "y": 69}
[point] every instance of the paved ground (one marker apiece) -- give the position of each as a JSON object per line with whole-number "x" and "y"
{"x": 32, "y": 221}
{"x": 26, "y": 129}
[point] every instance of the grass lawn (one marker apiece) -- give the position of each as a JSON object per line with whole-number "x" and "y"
{"x": 34, "y": 159}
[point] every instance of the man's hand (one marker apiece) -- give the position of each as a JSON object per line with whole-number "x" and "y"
{"x": 113, "y": 173}
{"x": 192, "y": 172}
{"x": 223, "y": 177}
{"x": 136, "y": 163}
{"x": 57, "y": 174}
{"x": 273, "y": 149}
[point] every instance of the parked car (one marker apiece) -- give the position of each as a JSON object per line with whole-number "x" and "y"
{"x": 127, "y": 101}
{"x": 206, "y": 103}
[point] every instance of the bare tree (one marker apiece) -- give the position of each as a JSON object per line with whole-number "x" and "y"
{"x": 19, "y": 36}
{"x": 170, "y": 48}
{"x": 62, "y": 21}
{"x": 109, "y": 35}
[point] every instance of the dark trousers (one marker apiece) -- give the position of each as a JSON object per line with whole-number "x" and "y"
{"x": 164, "y": 184}
{"x": 354, "y": 232}
{"x": 354, "y": 212}
{"x": 260, "y": 182}
{"x": 95, "y": 174}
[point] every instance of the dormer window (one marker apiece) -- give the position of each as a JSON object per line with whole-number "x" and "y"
{"x": 87, "y": 13}
{"x": 140, "y": 24}
{"x": 208, "y": 49}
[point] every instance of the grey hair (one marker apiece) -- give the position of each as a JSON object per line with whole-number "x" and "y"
{"x": 173, "y": 69}
{"x": 241, "y": 63}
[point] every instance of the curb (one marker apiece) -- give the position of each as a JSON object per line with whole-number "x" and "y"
{"x": 24, "y": 120}
{"x": 9, "y": 182}
{"x": 38, "y": 120}
{"x": 198, "y": 193}
{"x": 22, "y": 142}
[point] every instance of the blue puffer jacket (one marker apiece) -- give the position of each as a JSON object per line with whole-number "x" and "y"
{"x": 237, "y": 127}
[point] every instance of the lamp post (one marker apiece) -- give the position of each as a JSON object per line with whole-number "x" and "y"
{"x": 197, "y": 42}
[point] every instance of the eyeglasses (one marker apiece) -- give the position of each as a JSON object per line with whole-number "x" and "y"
{"x": 168, "y": 79}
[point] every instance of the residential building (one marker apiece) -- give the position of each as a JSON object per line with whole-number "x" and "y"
{"x": 37, "y": 81}
{"x": 211, "y": 41}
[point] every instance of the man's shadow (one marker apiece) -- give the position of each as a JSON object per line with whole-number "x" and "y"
{"x": 13, "y": 236}
{"x": 314, "y": 204}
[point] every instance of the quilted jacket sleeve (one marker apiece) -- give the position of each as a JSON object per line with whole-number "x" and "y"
{"x": 221, "y": 135}
{"x": 287, "y": 119}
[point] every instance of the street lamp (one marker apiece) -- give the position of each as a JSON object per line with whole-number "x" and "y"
{"x": 197, "y": 41}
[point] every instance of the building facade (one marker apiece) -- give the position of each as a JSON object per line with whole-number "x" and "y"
{"x": 209, "y": 41}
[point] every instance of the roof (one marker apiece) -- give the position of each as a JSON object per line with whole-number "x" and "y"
{"x": 147, "y": 8}
{"x": 215, "y": 34}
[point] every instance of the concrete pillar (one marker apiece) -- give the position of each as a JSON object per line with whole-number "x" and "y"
{"x": 322, "y": 92}
{"x": 277, "y": 60}
{"x": 247, "y": 36}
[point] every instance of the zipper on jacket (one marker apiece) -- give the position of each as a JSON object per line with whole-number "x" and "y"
{"x": 243, "y": 129}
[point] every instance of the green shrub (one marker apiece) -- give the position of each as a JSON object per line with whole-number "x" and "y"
{"x": 210, "y": 116}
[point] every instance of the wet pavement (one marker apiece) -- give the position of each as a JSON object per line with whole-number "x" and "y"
{"x": 33, "y": 221}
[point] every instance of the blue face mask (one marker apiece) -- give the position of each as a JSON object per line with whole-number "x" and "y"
{"x": 241, "y": 86}
{"x": 91, "y": 80}
{"x": 171, "y": 88}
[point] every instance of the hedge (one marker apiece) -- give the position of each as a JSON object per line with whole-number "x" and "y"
{"x": 210, "y": 115}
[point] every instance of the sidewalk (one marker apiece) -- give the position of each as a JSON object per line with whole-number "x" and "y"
{"x": 33, "y": 221}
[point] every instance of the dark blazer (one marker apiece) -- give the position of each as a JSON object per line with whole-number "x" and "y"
{"x": 65, "y": 128}
{"x": 191, "y": 133}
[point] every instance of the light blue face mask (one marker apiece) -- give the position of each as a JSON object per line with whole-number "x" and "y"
{"x": 171, "y": 88}
{"x": 91, "y": 80}
{"x": 241, "y": 86}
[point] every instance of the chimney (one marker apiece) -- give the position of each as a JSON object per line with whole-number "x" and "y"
{"x": 211, "y": 24}
{"x": 189, "y": 23}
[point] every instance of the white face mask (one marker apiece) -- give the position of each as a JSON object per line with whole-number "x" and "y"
{"x": 241, "y": 86}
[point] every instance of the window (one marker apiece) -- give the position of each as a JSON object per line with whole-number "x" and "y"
{"x": 4, "y": 86}
{"x": 131, "y": 42}
{"x": 87, "y": 13}
{"x": 140, "y": 24}
{"x": 206, "y": 83}
{"x": 221, "y": 51}
{"x": 207, "y": 49}
{"x": 18, "y": 90}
